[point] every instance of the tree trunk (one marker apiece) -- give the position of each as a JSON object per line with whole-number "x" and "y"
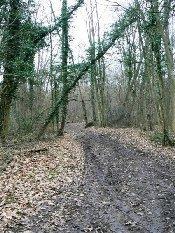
{"x": 83, "y": 106}
{"x": 116, "y": 33}
{"x": 64, "y": 71}
{"x": 10, "y": 78}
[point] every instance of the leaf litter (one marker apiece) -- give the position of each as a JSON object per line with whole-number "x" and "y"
{"x": 36, "y": 176}
{"x": 90, "y": 180}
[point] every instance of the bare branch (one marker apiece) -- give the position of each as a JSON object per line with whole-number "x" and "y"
{"x": 119, "y": 27}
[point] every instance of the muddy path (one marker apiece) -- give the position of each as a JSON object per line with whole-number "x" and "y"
{"x": 123, "y": 190}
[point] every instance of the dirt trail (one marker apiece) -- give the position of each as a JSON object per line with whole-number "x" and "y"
{"x": 123, "y": 190}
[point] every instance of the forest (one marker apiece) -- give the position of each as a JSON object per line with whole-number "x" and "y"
{"x": 87, "y": 99}
{"x": 40, "y": 87}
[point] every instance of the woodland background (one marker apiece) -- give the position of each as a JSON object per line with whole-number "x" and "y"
{"x": 125, "y": 77}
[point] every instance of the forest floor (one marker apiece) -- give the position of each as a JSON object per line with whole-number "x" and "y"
{"x": 90, "y": 180}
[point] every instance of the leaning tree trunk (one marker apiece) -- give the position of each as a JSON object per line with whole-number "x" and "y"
{"x": 10, "y": 78}
{"x": 119, "y": 28}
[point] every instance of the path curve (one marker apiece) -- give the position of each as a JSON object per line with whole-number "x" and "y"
{"x": 123, "y": 190}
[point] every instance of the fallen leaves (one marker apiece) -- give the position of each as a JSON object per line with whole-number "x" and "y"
{"x": 44, "y": 181}
{"x": 35, "y": 176}
{"x": 135, "y": 138}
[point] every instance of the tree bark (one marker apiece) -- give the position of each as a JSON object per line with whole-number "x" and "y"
{"x": 64, "y": 64}
{"x": 10, "y": 77}
{"x": 118, "y": 30}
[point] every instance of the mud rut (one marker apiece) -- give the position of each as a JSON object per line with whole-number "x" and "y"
{"x": 123, "y": 190}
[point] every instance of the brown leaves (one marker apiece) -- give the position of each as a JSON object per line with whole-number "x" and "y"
{"x": 34, "y": 177}
{"x": 137, "y": 139}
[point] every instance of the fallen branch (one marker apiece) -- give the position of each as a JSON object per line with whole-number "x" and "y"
{"x": 33, "y": 151}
